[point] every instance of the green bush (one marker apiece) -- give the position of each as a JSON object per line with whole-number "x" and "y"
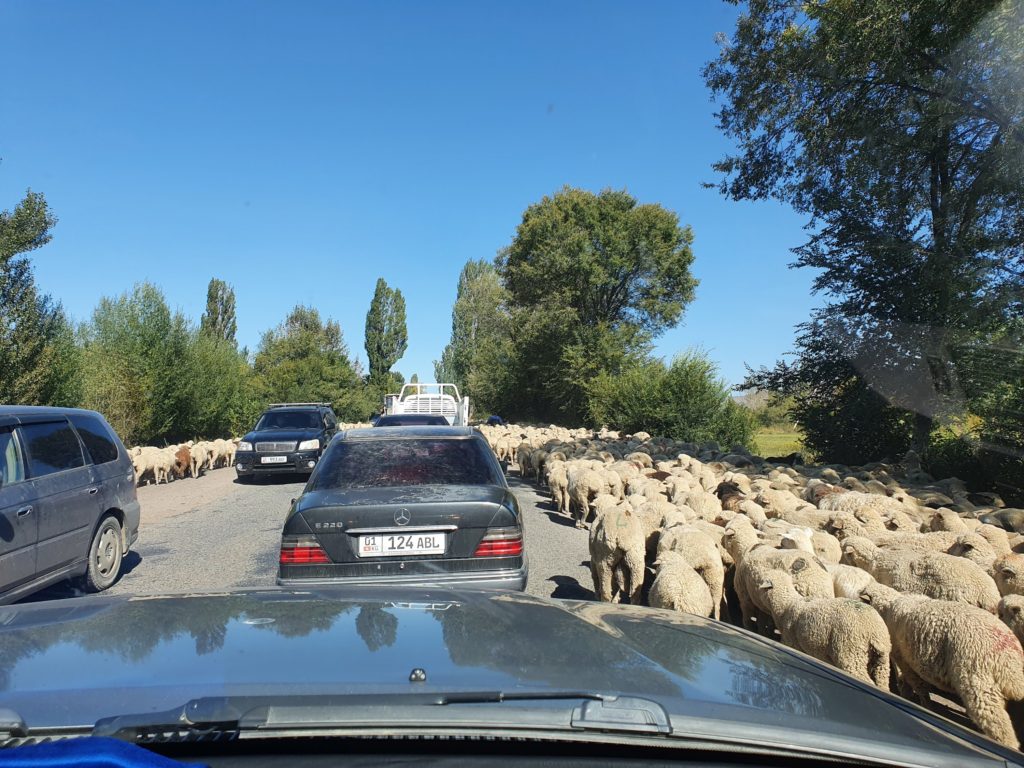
{"x": 685, "y": 400}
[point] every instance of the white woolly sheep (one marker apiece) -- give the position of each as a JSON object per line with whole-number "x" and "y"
{"x": 701, "y": 551}
{"x": 843, "y": 632}
{"x": 956, "y": 648}
{"x": 935, "y": 574}
{"x": 617, "y": 554}
{"x": 678, "y": 587}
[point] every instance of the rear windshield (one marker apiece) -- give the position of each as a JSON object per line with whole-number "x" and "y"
{"x": 420, "y": 461}
{"x": 412, "y": 420}
{"x": 289, "y": 420}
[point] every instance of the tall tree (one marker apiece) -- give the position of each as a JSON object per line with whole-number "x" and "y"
{"x": 592, "y": 279}
{"x": 136, "y": 366}
{"x": 896, "y": 128}
{"x": 306, "y": 360}
{"x": 479, "y": 320}
{"x": 38, "y": 361}
{"x": 218, "y": 320}
{"x": 386, "y": 337}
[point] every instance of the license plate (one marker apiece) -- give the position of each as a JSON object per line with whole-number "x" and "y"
{"x": 273, "y": 459}
{"x": 392, "y": 544}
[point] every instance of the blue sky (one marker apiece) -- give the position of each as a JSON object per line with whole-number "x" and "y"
{"x": 301, "y": 150}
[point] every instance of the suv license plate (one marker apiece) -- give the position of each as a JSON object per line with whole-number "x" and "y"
{"x": 273, "y": 459}
{"x": 396, "y": 544}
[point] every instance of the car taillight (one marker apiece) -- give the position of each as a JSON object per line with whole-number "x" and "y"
{"x": 501, "y": 542}
{"x": 302, "y": 550}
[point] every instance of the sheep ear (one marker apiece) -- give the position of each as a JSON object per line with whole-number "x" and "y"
{"x": 798, "y": 565}
{"x": 1007, "y": 570}
{"x": 865, "y": 597}
{"x": 766, "y": 584}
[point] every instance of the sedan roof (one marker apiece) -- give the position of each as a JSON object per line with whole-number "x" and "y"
{"x": 383, "y": 433}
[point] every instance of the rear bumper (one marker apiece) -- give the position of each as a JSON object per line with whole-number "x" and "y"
{"x": 248, "y": 463}
{"x": 511, "y": 579}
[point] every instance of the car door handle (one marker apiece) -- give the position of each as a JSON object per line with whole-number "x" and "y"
{"x": 93, "y": 491}
{"x": 24, "y": 511}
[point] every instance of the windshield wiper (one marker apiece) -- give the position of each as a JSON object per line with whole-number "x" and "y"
{"x": 218, "y": 717}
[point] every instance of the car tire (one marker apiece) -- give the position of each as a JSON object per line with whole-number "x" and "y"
{"x": 104, "y": 555}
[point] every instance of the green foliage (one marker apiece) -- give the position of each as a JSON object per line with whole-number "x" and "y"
{"x": 589, "y": 280}
{"x": 218, "y": 320}
{"x": 135, "y": 365}
{"x": 479, "y": 320}
{"x": 895, "y": 128}
{"x": 306, "y": 360}
{"x": 38, "y": 360}
{"x": 222, "y": 400}
{"x": 386, "y": 335}
{"x": 685, "y": 401}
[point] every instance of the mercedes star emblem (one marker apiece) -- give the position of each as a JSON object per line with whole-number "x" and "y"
{"x": 402, "y": 517}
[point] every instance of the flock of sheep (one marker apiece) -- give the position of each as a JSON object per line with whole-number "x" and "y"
{"x": 178, "y": 461}
{"x": 903, "y": 581}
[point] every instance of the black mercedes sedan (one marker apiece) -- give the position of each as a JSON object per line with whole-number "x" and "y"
{"x": 409, "y": 505}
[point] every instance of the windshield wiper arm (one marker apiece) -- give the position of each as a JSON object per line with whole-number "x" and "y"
{"x": 225, "y": 716}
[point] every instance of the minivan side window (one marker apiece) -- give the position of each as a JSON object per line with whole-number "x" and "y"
{"x": 96, "y": 436}
{"x": 11, "y": 469}
{"x": 51, "y": 447}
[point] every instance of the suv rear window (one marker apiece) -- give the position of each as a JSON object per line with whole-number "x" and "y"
{"x": 420, "y": 461}
{"x": 289, "y": 420}
{"x": 51, "y": 447}
{"x": 96, "y": 436}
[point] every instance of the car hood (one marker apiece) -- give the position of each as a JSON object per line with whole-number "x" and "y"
{"x": 282, "y": 435}
{"x": 72, "y": 662}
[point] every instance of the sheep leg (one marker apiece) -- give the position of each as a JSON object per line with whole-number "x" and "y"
{"x": 913, "y": 685}
{"x": 987, "y": 709}
{"x": 878, "y": 667}
{"x": 602, "y": 581}
{"x": 635, "y": 569}
{"x": 747, "y": 609}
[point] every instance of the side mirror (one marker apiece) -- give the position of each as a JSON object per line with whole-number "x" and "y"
{"x": 293, "y": 501}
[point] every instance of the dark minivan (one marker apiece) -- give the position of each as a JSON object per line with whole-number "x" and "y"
{"x": 67, "y": 500}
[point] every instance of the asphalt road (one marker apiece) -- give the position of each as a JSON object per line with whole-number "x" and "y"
{"x": 215, "y": 534}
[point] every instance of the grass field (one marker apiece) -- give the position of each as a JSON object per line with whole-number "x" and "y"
{"x": 777, "y": 443}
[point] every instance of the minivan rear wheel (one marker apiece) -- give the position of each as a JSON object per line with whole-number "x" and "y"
{"x": 104, "y": 556}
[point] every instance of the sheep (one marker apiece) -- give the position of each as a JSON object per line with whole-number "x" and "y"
{"x": 843, "y": 632}
{"x": 753, "y": 562}
{"x": 700, "y": 551}
{"x": 956, "y": 648}
{"x": 558, "y": 485}
{"x": 819, "y": 543}
{"x": 935, "y": 574}
{"x": 848, "y": 580}
{"x": 200, "y": 458}
{"x": 678, "y": 587}
{"x": 617, "y": 554}
{"x": 974, "y": 548}
{"x": 182, "y": 460}
{"x": 1011, "y": 613}
{"x": 1008, "y": 572}
{"x": 584, "y": 484}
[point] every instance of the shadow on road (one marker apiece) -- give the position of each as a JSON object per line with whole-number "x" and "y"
{"x": 567, "y": 588}
{"x": 73, "y": 587}
{"x": 560, "y": 519}
{"x": 282, "y": 479}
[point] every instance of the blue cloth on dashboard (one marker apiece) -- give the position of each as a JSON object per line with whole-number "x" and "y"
{"x": 88, "y": 752}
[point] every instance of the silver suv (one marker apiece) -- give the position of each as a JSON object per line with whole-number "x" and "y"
{"x": 68, "y": 507}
